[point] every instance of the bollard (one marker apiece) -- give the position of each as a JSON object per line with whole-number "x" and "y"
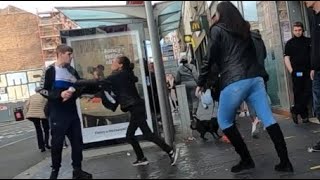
{"x": 185, "y": 118}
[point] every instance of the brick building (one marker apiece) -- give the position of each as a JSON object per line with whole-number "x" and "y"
{"x": 20, "y": 47}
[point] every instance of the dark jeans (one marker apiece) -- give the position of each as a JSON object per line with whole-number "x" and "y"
{"x": 316, "y": 93}
{"x": 302, "y": 90}
{"x": 42, "y": 142}
{"x": 70, "y": 127}
{"x": 138, "y": 120}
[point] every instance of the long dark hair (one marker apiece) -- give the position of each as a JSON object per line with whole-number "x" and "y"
{"x": 125, "y": 61}
{"x": 232, "y": 18}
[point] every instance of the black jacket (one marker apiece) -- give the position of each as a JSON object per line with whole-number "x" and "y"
{"x": 123, "y": 85}
{"x": 261, "y": 51}
{"x": 236, "y": 58}
{"x": 315, "y": 41}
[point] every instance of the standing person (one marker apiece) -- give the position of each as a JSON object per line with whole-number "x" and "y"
{"x": 56, "y": 82}
{"x": 123, "y": 82}
{"x": 297, "y": 61}
{"x": 232, "y": 49}
{"x": 34, "y": 111}
{"x": 172, "y": 91}
{"x": 315, "y": 58}
{"x": 187, "y": 74}
{"x": 261, "y": 53}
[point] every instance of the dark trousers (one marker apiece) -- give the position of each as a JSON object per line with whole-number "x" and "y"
{"x": 302, "y": 90}
{"x": 138, "y": 120}
{"x": 42, "y": 142}
{"x": 316, "y": 94}
{"x": 72, "y": 129}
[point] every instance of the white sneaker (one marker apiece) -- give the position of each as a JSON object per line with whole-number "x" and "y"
{"x": 255, "y": 128}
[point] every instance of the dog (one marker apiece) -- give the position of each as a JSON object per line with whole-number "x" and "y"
{"x": 205, "y": 126}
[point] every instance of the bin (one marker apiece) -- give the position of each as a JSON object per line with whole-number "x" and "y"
{"x": 18, "y": 113}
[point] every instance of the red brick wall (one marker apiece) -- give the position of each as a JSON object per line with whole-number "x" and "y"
{"x": 135, "y": 2}
{"x": 20, "y": 47}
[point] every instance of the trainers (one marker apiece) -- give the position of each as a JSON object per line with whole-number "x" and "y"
{"x": 284, "y": 167}
{"x": 255, "y": 129}
{"x": 306, "y": 120}
{"x": 316, "y": 148}
{"x": 174, "y": 156}
{"x": 142, "y": 162}
{"x": 243, "y": 165}
{"x": 80, "y": 174}
{"x": 54, "y": 174}
{"x": 48, "y": 146}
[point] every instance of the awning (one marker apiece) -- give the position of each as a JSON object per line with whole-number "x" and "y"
{"x": 167, "y": 14}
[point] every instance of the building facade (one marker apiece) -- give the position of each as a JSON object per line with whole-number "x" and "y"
{"x": 274, "y": 20}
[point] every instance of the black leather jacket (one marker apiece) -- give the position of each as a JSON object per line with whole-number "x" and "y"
{"x": 123, "y": 85}
{"x": 236, "y": 58}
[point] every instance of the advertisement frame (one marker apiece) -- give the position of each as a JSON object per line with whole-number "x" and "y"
{"x": 115, "y": 131}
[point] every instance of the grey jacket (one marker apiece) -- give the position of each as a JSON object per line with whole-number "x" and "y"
{"x": 187, "y": 74}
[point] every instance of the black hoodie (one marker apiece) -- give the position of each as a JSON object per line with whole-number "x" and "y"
{"x": 261, "y": 51}
{"x": 123, "y": 85}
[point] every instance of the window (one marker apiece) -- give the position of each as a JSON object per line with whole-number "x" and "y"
{"x": 250, "y": 10}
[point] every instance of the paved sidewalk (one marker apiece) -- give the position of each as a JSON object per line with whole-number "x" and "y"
{"x": 198, "y": 159}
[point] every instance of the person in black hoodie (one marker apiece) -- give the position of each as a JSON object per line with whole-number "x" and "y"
{"x": 232, "y": 49}
{"x": 261, "y": 54}
{"x": 122, "y": 82}
{"x": 57, "y": 86}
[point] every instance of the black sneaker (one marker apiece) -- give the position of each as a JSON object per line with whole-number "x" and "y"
{"x": 243, "y": 165}
{"x": 305, "y": 120}
{"x": 54, "y": 174}
{"x": 80, "y": 174}
{"x": 316, "y": 148}
{"x": 284, "y": 167}
{"x": 48, "y": 146}
{"x": 142, "y": 162}
{"x": 43, "y": 149}
{"x": 173, "y": 155}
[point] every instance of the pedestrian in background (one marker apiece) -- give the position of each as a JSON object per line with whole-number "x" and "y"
{"x": 35, "y": 112}
{"x": 187, "y": 74}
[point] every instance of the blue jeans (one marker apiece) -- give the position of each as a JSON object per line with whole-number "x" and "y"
{"x": 250, "y": 90}
{"x": 316, "y": 93}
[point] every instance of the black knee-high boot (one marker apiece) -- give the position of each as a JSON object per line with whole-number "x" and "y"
{"x": 241, "y": 148}
{"x": 276, "y": 136}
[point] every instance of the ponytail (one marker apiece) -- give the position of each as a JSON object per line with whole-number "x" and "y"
{"x": 127, "y": 64}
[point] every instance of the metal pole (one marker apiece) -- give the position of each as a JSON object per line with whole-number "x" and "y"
{"x": 165, "y": 111}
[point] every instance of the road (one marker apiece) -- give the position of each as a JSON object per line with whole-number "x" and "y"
{"x": 18, "y": 148}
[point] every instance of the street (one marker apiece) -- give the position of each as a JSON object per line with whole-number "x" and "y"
{"x": 18, "y": 148}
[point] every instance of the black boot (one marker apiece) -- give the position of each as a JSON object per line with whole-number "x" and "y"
{"x": 80, "y": 174}
{"x": 276, "y": 136}
{"x": 54, "y": 174}
{"x": 241, "y": 148}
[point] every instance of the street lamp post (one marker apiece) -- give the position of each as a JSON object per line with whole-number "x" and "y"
{"x": 165, "y": 111}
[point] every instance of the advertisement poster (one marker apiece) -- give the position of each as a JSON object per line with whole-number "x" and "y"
{"x": 93, "y": 55}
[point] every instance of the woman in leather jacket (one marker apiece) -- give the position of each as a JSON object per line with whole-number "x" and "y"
{"x": 122, "y": 81}
{"x": 232, "y": 50}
